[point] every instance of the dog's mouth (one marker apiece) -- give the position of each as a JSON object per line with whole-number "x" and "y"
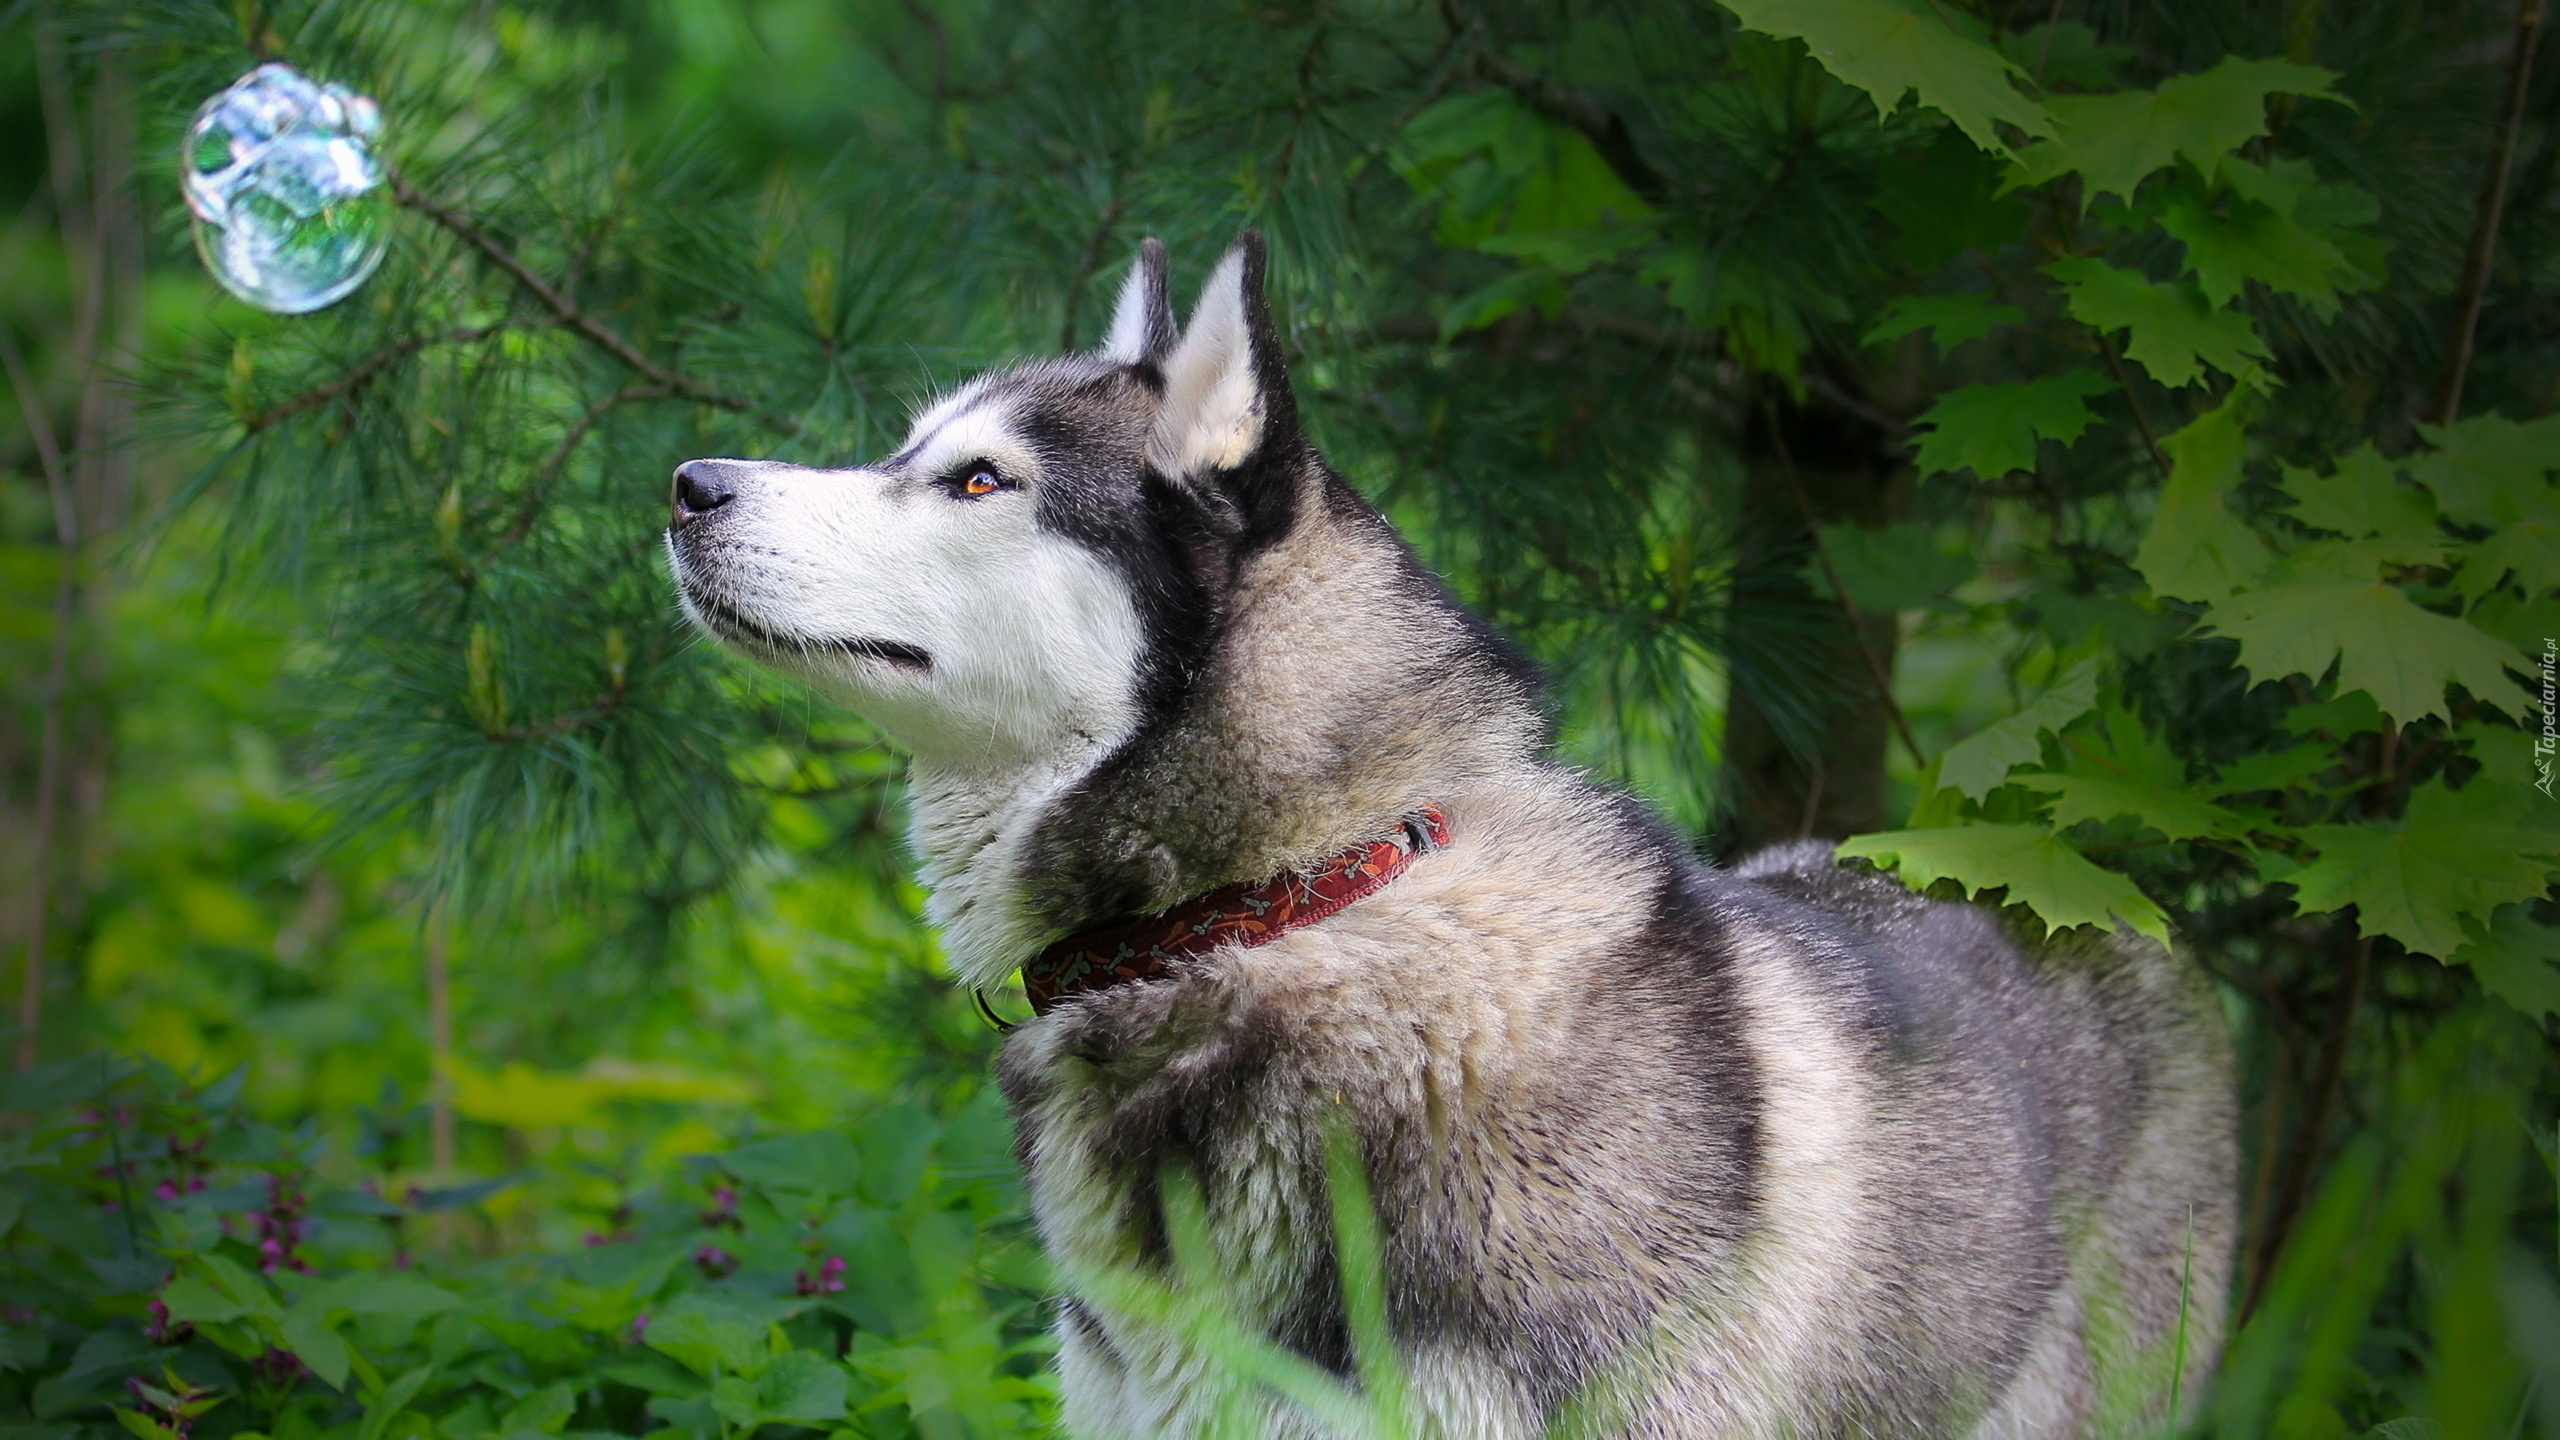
{"x": 735, "y": 626}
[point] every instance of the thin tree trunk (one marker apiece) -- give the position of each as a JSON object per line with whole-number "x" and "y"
{"x": 1810, "y": 716}
{"x": 2485, "y": 215}
{"x": 49, "y": 766}
{"x": 2302, "y": 1162}
{"x": 439, "y": 1043}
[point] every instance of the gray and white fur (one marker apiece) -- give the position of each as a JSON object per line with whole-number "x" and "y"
{"x": 1657, "y": 1149}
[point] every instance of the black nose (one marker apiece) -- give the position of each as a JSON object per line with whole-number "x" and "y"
{"x": 702, "y": 486}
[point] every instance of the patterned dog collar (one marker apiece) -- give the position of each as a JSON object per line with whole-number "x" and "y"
{"x": 1246, "y": 915}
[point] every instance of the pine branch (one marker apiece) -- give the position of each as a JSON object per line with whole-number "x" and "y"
{"x": 578, "y": 321}
{"x": 2486, "y": 213}
{"x": 366, "y": 371}
{"x": 538, "y": 493}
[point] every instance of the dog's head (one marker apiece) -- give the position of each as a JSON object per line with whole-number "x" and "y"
{"x": 1040, "y": 563}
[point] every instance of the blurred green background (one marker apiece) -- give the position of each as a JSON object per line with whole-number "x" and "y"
{"x": 386, "y": 797}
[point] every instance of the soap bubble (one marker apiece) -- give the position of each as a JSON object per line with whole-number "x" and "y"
{"x": 287, "y": 198}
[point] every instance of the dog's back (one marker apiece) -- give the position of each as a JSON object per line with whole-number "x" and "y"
{"x": 2093, "y": 1072}
{"x": 1661, "y": 1150}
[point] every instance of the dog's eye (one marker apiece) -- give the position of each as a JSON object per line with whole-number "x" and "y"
{"x": 981, "y": 481}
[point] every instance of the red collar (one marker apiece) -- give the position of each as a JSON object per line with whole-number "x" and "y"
{"x": 1245, "y": 915}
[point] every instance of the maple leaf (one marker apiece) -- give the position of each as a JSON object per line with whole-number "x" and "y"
{"x": 2515, "y": 958}
{"x": 2452, "y": 853}
{"x": 2114, "y": 141}
{"x": 2172, "y": 331}
{"x": 1992, "y": 429}
{"x": 2381, "y": 641}
{"x": 2196, "y": 549}
{"x": 2177, "y": 814}
{"x": 2118, "y": 767}
{"x": 2037, "y": 868}
{"x": 2527, "y": 547}
{"x": 1978, "y": 763}
{"x": 1950, "y": 319}
{"x": 2248, "y": 240}
{"x": 2364, "y": 498}
{"x": 1890, "y": 52}
{"x": 2489, "y": 470}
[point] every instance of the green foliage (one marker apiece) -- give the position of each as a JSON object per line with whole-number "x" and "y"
{"x": 197, "y": 1273}
{"x": 2115, "y": 141}
{"x": 1556, "y": 283}
{"x": 1992, "y": 428}
{"x": 1891, "y": 50}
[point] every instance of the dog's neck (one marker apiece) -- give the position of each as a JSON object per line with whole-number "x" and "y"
{"x": 1341, "y": 693}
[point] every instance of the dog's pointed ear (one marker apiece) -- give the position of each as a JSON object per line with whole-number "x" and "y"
{"x": 1142, "y": 322}
{"x": 1226, "y": 395}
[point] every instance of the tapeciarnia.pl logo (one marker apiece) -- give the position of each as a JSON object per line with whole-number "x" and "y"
{"x": 2549, "y": 739}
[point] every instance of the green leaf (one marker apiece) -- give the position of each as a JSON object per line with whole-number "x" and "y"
{"x": 1992, "y": 429}
{"x": 2246, "y": 240}
{"x": 2527, "y": 547}
{"x": 395, "y": 1397}
{"x": 1979, "y": 763}
{"x": 709, "y": 1337}
{"x": 2525, "y": 624}
{"x": 2115, "y": 141}
{"x": 2516, "y": 959}
{"x": 734, "y": 1399}
{"x": 1950, "y": 319}
{"x": 2171, "y": 330}
{"x": 143, "y": 1426}
{"x": 2489, "y": 470}
{"x": 815, "y": 1161}
{"x": 2176, "y": 814}
{"x": 544, "y": 1412}
{"x": 1889, "y": 51}
{"x": 801, "y": 1388}
{"x": 1897, "y": 568}
{"x": 2273, "y": 769}
{"x": 197, "y": 1301}
{"x": 2382, "y": 642}
{"x": 2356, "y": 559}
{"x": 308, "y": 1334}
{"x": 2119, "y": 768}
{"x": 2196, "y": 549}
{"x": 2035, "y": 866}
{"x": 2454, "y": 853}
{"x": 2364, "y": 498}
{"x": 381, "y": 1293}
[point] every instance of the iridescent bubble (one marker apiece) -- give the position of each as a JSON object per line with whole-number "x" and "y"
{"x": 286, "y": 195}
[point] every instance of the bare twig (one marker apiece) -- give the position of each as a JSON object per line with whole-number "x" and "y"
{"x": 1848, "y": 608}
{"x": 1090, "y": 261}
{"x": 66, "y": 529}
{"x": 2485, "y": 216}
{"x": 2141, "y": 422}
{"x": 1605, "y": 129}
{"x": 2044, "y": 51}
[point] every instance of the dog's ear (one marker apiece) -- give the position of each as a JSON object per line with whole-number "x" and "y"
{"x": 1142, "y": 322}
{"x": 1226, "y": 395}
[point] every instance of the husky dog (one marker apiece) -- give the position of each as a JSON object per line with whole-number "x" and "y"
{"x": 1656, "y": 1149}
